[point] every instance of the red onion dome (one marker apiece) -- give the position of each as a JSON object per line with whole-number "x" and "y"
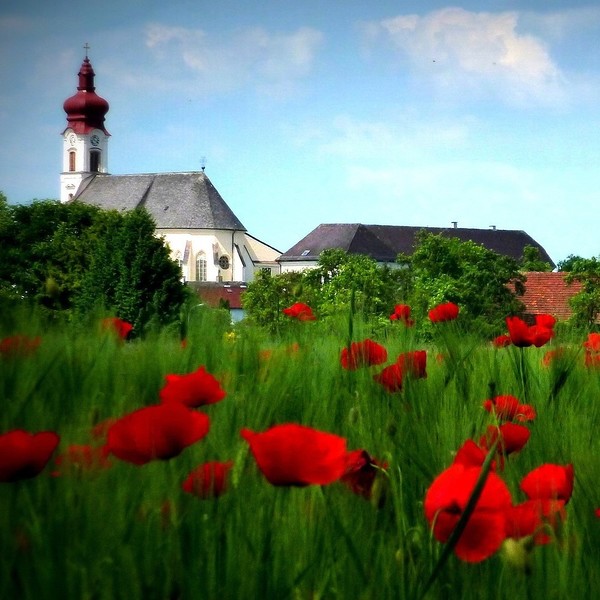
{"x": 86, "y": 110}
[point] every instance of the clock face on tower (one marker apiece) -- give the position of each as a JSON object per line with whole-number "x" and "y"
{"x": 95, "y": 140}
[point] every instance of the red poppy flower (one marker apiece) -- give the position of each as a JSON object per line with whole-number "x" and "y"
{"x": 81, "y": 458}
{"x": 156, "y": 432}
{"x": 291, "y": 454}
{"x": 121, "y": 328}
{"x": 593, "y": 342}
{"x": 549, "y": 482}
{"x": 446, "y": 499}
{"x": 508, "y": 408}
{"x": 532, "y": 517}
{"x": 402, "y": 313}
{"x": 547, "y": 321}
{"x": 501, "y": 341}
{"x": 471, "y": 455}
{"x": 209, "y": 480}
{"x": 363, "y": 354}
{"x": 592, "y": 360}
{"x": 361, "y": 470}
{"x": 444, "y": 312}
{"x": 592, "y": 350}
{"x": 390, "y": 378}
{"x": 523, "y": 335}
{"x": 19, "y": 345}
{"x": 193, "y": 389}
{"x": 513, "y": 438}
{"x": 300, "y": 311}
{"x": 597, "y": 513}
{"x": 24, "y": 455}
{"x": 552, "y": 355}
{"x": 413, "y": 363}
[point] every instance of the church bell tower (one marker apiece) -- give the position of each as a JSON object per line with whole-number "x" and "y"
{"x": 85, "y": 139}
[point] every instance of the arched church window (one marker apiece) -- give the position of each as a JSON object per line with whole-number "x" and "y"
{"x": 72, "y": 160}
{"x": 201, "y": 266}
{"x": 94, "y": 161}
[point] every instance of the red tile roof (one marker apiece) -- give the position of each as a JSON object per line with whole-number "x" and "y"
{"x": 215, "y": 294}
{"x": 548, "y": 293}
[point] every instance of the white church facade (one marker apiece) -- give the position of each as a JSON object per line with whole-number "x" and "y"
{"x": 204, "y": 235}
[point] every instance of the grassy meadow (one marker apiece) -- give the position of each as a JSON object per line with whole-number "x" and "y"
{"x": 129, "y": 531}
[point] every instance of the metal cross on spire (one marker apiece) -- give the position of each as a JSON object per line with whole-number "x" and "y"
{"x": 86, "y": 47}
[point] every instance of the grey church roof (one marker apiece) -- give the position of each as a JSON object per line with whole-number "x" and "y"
{"x": 385, "y": 242}
{"x": 175, "y": 200}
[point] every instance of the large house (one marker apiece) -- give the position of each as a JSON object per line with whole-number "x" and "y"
{"x": 385, "y": 242}
{"x": 204, "y": 235}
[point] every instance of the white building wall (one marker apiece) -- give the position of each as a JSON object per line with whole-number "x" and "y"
{"x": 298, "y": 266}
{"x": 216, "y": 245}
{"x": 303, "y": 265}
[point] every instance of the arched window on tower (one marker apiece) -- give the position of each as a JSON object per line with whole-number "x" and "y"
{"x": 72, "y": 160}
{"x": 94, "y": 161}
{"x": 201, "y": 266}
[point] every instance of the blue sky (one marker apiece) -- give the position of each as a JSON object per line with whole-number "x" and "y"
{"x": 385, "y": 112}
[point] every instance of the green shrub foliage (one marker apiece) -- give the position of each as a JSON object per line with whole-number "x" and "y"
{"x": 446, "y": 269}
{"x": 439, "y": 270}
{"x": 74, "y": 258}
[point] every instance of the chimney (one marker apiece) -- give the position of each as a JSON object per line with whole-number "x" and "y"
{"x": 455, "y": 224}
{"x": 493, "y": 227}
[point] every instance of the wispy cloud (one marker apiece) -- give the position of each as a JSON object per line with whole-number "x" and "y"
{"x": 560, "y": 24}
{"x": 474, "y": 55}
{"x": 265, "y": 61}
{"x": 401, "y": 139}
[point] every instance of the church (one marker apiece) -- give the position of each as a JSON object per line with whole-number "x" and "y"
{"x": 204, "y": 235}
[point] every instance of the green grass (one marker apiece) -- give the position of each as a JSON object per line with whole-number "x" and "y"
{"x": 131, "y": 532}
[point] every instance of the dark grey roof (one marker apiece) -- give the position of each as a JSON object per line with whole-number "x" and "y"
{"x": 385, "y": 242}
{"x": 175, "y": 200}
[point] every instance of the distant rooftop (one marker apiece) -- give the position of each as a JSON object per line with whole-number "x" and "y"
{"x": 548, "y": 293}
{"x": 385, "y": 242}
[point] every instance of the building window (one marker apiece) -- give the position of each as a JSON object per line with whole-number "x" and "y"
{"x": 72, "y": 160}
{"x": 201, "y": 266}
{"x": 94, "y": 161}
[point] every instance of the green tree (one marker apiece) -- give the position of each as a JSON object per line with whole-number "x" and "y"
{"x": 338, "y": 281}
{"x": 45, "y": 248}
{"x": 446, "y": 269}
{"x": 267, "y": 296}
{"x": 586, "y": 303}
{"x": 531, "y": 260}
{"x": 131, "y": 272}
{"x": 567, "y": 264}
{"x": 76, "y": 256}
{"x": 341, "y": 278}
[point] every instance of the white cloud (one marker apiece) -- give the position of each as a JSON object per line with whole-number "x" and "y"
{"x": 467, "y": 54}
{"x": 268, "y": 62}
